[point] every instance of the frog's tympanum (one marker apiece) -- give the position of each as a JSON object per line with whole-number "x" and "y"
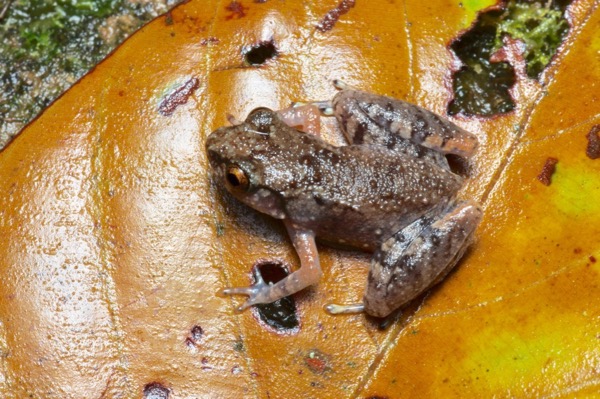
{"x": 391, "y": 192}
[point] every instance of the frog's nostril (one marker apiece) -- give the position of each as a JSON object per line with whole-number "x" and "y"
{"x": 260, "y": 53}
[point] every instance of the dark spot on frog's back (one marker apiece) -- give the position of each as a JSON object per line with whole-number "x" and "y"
{"x": 209, "y": 40}
{"x": 420, "y": 121}
{"x": 359, "y": 132}
{"x": 389, "y": 106}
{"x": 194, "y": 337}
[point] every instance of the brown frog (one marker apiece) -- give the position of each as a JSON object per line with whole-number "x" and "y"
{"x": 391, "y": 192}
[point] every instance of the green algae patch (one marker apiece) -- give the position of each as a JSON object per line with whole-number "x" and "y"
{"x": 576, "y": 190}
{"x": 535, "y": 351}
{"x": 472, "y": 7}
{"x": 481, "y": 86}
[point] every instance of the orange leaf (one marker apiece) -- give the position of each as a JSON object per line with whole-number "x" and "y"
{"x": 116, "y": 241}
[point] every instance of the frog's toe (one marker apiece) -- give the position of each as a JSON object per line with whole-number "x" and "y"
{"x": 345, "y": 309}
{"x": 325, "y": 107}
{"x": 252, "y": 300}
{"x": 243, "y": 306}
{"x": 237, "y": 291}
{"x": 256, "y": 293}
{"x": 252, "y": 292}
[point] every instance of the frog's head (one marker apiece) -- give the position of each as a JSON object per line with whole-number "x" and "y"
{"x": 238, "y": 156}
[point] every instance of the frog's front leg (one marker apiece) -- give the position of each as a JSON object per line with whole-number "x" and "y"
{"x": 418, "y": 257}
{"x": 308, "y": 274}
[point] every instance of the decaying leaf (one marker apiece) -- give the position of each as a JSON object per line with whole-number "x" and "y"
{"x": 115, "y": 240}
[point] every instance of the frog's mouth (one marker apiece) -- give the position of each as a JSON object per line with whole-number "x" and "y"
{"x": 265, "y": 201}
{"x": 262, "y": 199}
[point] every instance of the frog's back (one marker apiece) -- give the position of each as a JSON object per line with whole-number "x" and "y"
{"x": 360, "y": 195}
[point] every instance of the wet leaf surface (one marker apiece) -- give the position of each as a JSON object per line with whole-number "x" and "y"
{"x": 115, "y": 239}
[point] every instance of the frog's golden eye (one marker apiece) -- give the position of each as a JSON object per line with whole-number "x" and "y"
{"x": 237, "y": 178}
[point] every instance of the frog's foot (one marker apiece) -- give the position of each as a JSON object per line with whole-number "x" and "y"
{"x": 259, "y": 292}
{"x": 345, "y": 309}
{"x": 305, "y": 117}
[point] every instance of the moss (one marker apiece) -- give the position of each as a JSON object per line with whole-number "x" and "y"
{"x": 48, "y": 45}
{"x": 481, "y": 87}
{"x": 541, "y": 28}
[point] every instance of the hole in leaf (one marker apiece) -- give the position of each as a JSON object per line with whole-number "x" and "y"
{"x": 481, "y": 86}
{"x": 260, "y": 53}
{"x": 195, "y": 336}
{"x": 281, "y": 314}
{"x": 155, "y": 390}
{"x": 197, "y": 333}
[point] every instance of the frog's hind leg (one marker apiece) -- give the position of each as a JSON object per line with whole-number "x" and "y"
{"x": 419, "y": 256}
{"x": 368, "y": 118}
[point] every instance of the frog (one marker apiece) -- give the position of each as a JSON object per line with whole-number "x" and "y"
{"x": 389, "y": 191}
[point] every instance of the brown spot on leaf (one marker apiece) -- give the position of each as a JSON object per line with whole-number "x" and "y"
{"x": 205, "y": 365}
{"x": 209, "y": 40}
{"x": 329, "y": 20}
{"x": 545, "y": 176}
{"x": 178, "y": 97}
{"x": 237, "y": 10}
{"x": 317, "y": 362}
{"x": 593, "y": 146}
{"x": 195, "y": 336}
{"x": 197, "y": 333}
{"x": 592, "y": 259}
